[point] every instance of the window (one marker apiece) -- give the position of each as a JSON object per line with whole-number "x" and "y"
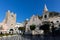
{"x": 45, "y": 16}
{"x": 11, "y": 24}
{"x": 12, "y": 15}
{"x": 57, "y": 21}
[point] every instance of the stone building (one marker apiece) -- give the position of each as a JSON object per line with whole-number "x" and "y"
{"x": 39, "y": 20}
{"x": 8, "y": 23}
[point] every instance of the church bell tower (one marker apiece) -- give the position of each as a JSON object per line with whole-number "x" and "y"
{"x": 45, "y": 13}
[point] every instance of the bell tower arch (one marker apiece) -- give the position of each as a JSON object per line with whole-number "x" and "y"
{"x": 45, "y": 13}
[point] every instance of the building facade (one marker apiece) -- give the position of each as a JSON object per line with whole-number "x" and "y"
{"x": 46, "y": 17}
{"x": 9, "y": 22}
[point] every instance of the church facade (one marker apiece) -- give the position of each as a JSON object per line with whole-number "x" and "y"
{"x": 8, "y": 23}
{"x": 38, "y": 21}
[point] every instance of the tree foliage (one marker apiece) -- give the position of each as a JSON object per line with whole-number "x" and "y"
{"x": 45, "y": 27}
{"x": 32, "y": 27}
{"x": 21, "y": 28}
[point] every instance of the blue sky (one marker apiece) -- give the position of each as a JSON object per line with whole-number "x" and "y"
{"x": 26, "y": 8}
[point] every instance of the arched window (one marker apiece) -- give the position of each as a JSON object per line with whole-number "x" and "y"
{"x": 57, "y": 21}
{"x": 45, "y": 16}
{"x": 12, "y": 15}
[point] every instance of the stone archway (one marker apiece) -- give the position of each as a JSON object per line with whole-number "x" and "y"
{"x": 11, "y": 31}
